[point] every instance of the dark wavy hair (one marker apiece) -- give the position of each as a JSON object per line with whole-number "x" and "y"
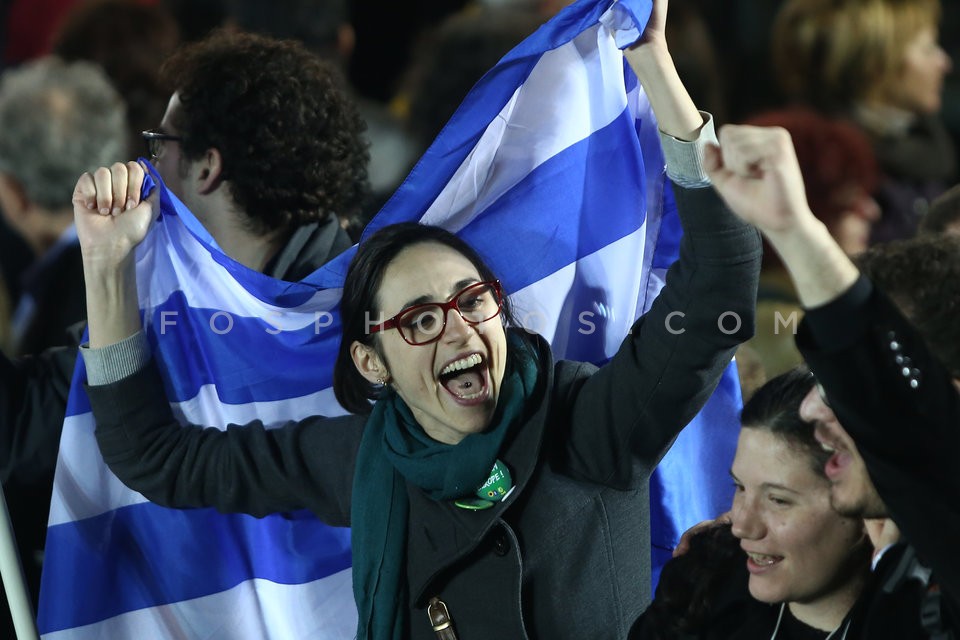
{"x": 922, "y": 277}
{"x": 775, "y": 407}
{"x": 290, "y": 138}
{"x": 689, "y": 587}
{"x": 361, "y": 295}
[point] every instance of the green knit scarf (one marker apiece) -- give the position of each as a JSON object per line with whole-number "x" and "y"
{"x": 395, "y": 450}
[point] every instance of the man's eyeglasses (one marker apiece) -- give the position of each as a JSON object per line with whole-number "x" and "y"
{"x": 155, "y": 140}
{"x": 425, "y": 323}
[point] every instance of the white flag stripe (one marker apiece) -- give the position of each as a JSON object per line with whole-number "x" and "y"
{"x": 214, "y": 287}
{"x": 85, "y": 487}
{"x": 256, "y": 609}
{"x": 513, "y": 145}
{"x": 540, "y": 306}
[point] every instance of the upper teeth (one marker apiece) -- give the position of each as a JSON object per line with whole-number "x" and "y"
{"x": 463, "y": 363}
{"x": 761, "y": 558}
{"x": 826, "y": 447}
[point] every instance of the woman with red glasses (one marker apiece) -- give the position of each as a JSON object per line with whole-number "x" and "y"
{"x": 492, "y": 491}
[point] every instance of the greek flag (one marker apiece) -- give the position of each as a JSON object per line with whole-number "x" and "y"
{"x": 551, "y": 169}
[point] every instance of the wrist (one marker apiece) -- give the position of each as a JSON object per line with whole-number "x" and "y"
{"x": 106, "y": 269}
{"x": 649, "y": 54}
{"x": 798, "y": 236}
{"x": 112, "y": 303}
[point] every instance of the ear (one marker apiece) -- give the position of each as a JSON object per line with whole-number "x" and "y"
{"x": 209, "y": 171}
{"x": 13, "y": 199}
{"x": 369, "y": 363}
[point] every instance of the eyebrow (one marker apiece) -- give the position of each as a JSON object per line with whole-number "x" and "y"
{"x": 767, "y": 485}
{"x": 457, "y": 286}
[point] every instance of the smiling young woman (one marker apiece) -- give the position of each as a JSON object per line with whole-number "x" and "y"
{"x": 785, "y": 545}
{"x": 799, "y": 550}
{"x": 485, "y": 483}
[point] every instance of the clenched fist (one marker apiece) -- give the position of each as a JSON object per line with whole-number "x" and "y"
{"x": 110, "y": 216}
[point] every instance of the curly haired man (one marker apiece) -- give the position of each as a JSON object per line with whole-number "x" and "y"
{"x": 262, "y": 145}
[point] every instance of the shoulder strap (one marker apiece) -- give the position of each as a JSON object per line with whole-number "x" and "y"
{"x": 909, "y": 568}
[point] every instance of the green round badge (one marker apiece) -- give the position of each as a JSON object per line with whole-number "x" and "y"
{"x": 473, "y": 504}
{"x": 497, "y": 485}
{"x": 496, "y": 488}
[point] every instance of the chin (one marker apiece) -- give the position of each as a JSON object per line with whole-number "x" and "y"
{"x": 928, "y": 107}
{"x": 767, "y": 593}
{"x": 480, "y": 420}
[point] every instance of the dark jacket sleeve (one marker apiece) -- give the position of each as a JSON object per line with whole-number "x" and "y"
{"x": 901, "y": 407}
{"x": 33, "y": 402}
{"x": 249, "y": 469}
{"x": 632, "y": 408}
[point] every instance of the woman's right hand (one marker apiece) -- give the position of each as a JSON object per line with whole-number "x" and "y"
{"x": 110, "y": 217}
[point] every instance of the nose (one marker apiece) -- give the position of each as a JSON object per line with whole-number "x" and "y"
{"x": 746, "y": 521}
{"x": 456, "y": 328}
{"x": 813, "y": 408}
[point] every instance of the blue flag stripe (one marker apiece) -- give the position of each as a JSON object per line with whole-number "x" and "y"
{"x": 163, "y": 555}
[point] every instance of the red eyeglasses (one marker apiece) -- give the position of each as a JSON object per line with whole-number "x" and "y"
{"x": 425, "y": 323}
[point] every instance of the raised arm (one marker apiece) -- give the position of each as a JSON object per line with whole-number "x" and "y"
{"x": 906, "y": 427}
{"x": 631, "y": 409}
{"x": 650, "y": 59}
{"x": 250, "y": 469}
{"x": 111, "y": 221}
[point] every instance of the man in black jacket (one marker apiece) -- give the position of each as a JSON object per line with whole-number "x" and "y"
{"x": 262, "y": 145}
{"x": 899, "y": 406}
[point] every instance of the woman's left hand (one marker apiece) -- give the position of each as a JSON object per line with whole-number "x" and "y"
{"x": 655, "y": 32}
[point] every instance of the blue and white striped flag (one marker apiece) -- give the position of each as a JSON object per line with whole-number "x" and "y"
{"x": 551, "y": 169}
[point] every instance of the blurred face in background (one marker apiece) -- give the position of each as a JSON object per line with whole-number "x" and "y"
{"x": 918, "y": 86}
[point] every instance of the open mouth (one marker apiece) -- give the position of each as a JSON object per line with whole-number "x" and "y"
{"x": 838, "y": 461}
{"x": 466, "y": 379}
{"x": 836, "y": 464}
{"x": 760, "y": 562}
